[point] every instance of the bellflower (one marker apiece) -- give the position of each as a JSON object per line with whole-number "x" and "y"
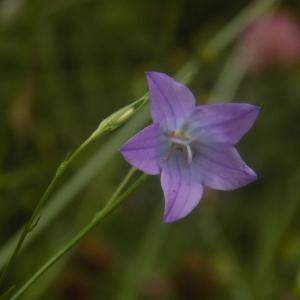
{"x": 190, "y": 146}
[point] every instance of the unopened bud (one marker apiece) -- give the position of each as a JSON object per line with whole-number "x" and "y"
{"x": 119, "y": 117}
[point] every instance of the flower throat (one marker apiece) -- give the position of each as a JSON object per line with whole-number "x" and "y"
{"x": 181, "y": 140}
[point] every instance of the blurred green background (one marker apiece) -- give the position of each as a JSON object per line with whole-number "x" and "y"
{"x": 64, "y": 66}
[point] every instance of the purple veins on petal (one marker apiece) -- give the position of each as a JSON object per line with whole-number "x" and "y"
{"x": 222, "y": 168}
{"x": 141, "y": 150}
{"x": 226, "y": 122}
{"x": 181, "y": 189}
{"x": 169, "y": 99}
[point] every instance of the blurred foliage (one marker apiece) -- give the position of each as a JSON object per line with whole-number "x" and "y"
{"x": 64, "y": 66}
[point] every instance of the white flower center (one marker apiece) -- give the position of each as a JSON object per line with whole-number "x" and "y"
{"x": 181, "y": 141}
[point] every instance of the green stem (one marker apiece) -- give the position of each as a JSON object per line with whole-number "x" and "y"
{"x": 33, "y": 218}
{"x": 111, "y": 205}
{"x": 107, "y": 125}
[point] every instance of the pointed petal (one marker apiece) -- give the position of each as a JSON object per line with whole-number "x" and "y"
{"x": 141, "y": 150}
{"x": 169, "y": 99}
{"x": 181, "y": 190}
{"x": 222, "y": 168}
{"x": 226, "y": 122}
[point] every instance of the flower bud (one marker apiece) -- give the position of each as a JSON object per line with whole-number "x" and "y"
{"x": 119, "y": 117}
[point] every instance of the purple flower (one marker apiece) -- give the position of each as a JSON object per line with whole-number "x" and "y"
{"x": 190, "y": 146}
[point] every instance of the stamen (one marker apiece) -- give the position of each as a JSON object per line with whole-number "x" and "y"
{"x": 189, "y": 155}
{"x": 181, "y": 141}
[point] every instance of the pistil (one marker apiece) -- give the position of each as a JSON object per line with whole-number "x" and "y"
{"x": 182, "y": 141}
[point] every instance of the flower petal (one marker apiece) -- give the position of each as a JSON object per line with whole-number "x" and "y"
{"x": 141, "y": 150}
{"x": 182, "y": 192}
{"x": 226, "y": 122}
{"x": 169, "y": 99}
{"x": 221, "y": 167}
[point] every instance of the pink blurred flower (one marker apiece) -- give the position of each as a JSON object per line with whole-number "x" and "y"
{"x": 271, "y": 40}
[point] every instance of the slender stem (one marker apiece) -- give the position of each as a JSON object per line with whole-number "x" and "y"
{"x": 33, "y": 218}
{"x": 111, "y": 205}
{"x": 108, "y": 124}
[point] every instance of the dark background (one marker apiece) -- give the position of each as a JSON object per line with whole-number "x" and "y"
{"x": 67, "y": 64}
